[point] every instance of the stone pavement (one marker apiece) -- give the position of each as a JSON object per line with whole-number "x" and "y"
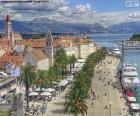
{"x": 104, "y": 82}
{"x": 106, "y": 87}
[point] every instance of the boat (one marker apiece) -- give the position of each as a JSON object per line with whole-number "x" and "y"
{"x": 135, "y": 114}
{"x": 134, "y": 107}
{"x": 116, "y": 51}
{"x": 129, "y": 76}
{"x": 130, "y": 96}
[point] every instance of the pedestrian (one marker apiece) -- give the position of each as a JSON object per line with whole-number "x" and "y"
{"x": 91, "y": 90}
{"x": 105, "y": 106}
{"x": 105, "y": 93}
{"x": 97, "y": 96}
{"x": 92, "y": 104}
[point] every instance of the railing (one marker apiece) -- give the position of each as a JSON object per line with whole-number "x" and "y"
{"x": 127, "y": 44}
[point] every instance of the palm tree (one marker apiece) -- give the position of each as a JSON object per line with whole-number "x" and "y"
{"x": 51, "y": 75}
{"x": 26, "y": 79}
{"x": 73, "y": 60}
{"x": 76, "y": 97}
{"x": 75, "y": 101}
{"x": 41, "y": 79}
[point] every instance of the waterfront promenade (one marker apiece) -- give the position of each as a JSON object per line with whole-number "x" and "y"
{"x": 106, "y": 87}
{"x": 107, "y": 90}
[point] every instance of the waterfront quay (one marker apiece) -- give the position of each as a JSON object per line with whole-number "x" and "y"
{"x": 108, "y": 99}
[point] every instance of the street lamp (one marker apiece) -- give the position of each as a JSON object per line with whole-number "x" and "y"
{"x": 110, "y": 105}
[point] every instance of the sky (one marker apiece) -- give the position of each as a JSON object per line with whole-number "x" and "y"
{"x": 105, "y": 12}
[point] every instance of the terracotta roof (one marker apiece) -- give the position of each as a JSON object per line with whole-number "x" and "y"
{"x": 15, "y": 59}
{"x": 8, "y": 18}
{"x": 67, "y": 41}
{"x": 61, "y": 41}
{"x": 38, "y": 54}
{"x": 4, "y": 41}
{"x": 35, "y": 43}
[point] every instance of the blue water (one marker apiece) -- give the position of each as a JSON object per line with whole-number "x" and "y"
{"x": 130, "y": 56}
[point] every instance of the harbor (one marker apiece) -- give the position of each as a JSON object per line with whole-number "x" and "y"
{"x": 109, "y": 99}
{"x": 130, "y": 56}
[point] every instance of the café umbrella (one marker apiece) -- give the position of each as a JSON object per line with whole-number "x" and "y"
{"x": 45, "y": 94}
{"x": 49, "y": 90}
{"x": 63, "y": 83}
{"x": 33, "y": 94}
{"x": 39, "y": 89}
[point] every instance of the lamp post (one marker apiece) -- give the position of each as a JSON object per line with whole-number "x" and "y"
{"x": 110, "y": 105}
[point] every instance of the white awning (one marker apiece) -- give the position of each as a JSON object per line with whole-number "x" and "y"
{"x": 81, "y": 60}
{"x": 39, "y": 89}
{"x": 49, "y": 90}
{"x": 46, "y": 94}
{"x": 63, "y": 83}
{"x": 131, "y": 99}
{"x": 33, "y": 94}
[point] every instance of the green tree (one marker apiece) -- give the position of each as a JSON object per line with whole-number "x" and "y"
{"x": 51, "y": 75}
{"x": 71, "y": 61}
{"x": 41, "y": 79}
{"x": 27, "y": 78}
{"x": 76, "y": 97}
{"x": 61, "y": 61}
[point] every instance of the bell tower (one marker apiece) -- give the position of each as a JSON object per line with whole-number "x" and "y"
{"x": 49, "y": 47}
{"x": 8, "y": 27}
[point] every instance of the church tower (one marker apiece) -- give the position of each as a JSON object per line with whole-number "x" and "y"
{"x": 49, "y": 47}
{"x": 8, "y": 27}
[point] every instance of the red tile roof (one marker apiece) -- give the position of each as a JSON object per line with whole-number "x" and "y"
{"x": 35, "y": 43}
{"x": 38, "y": 54}
{"x": 9, "y": 57}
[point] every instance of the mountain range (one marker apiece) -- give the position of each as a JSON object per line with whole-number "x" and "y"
{"x": 41, "y": 25}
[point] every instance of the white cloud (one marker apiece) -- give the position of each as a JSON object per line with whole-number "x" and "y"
{"x": 83, "y": 8}
{"x": 65, "y": 10}
{"x": 61, "y": 11}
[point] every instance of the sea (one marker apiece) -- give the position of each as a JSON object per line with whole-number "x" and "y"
{"x": 130, "y": 56}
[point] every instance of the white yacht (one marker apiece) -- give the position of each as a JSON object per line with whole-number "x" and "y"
{"x": 116, "y": 51}
{"x": 129, "y": 77}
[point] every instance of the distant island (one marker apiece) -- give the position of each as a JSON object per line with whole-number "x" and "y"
{"x": 135, "y": 37}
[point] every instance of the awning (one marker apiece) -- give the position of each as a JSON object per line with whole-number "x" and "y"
{"x": 39, "y": 89}
{"x": 46, "y": 94}
{"x": 63, "y": 83}
{"x": 50, "y": 90}
{"x": 33, "y": 94}
{"x": 131, "y": 99}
